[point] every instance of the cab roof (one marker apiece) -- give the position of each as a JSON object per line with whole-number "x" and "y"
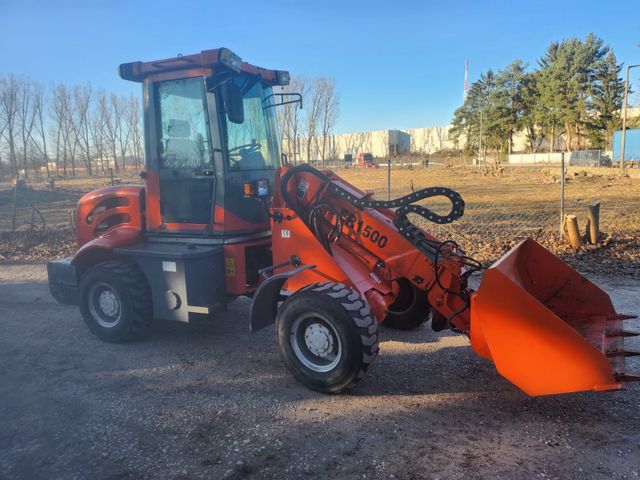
{"x": 207, "y": 62}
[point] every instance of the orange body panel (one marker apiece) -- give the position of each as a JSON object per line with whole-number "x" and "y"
{"x": 545, "y": 326}
{"x": 106, "y": 209}
{"x": 367, "y": 261}
{"x": 114, "y": 238}
{"x": 225, "y": 221}
{"x": 152, "y": 183}
{"x": 235, "y": 258}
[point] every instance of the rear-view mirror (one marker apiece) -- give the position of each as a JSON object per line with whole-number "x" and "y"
{"x": 232, "y": 97}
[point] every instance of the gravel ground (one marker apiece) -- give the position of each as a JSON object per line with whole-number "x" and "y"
{"x": 208, "y": 400}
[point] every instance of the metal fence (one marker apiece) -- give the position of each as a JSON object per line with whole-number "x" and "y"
{"x": 504, "y": 203}
{"x": 39, "y": 205}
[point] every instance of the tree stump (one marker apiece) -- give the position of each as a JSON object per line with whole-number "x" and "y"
{"x": 572, "y": 231}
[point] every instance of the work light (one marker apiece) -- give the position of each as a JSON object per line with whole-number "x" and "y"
{"x": 230, "y": 59}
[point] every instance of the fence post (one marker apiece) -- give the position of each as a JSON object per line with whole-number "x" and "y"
{"x": 111, "y": 175}
{"x": 561, "y": 195}
{"x": 389, "y": 178}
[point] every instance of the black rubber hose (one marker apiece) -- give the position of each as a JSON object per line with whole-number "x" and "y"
{"x": 284, "y": 181}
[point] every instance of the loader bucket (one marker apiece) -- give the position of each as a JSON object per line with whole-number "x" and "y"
{"x": 546, "y": 328}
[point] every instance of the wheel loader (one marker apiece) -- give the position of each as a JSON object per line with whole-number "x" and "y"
{"x": 223, "y": 214}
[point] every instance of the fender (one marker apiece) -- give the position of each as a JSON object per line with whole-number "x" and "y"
{"x": 118, "y": 237}
{"x": 264, "y": 307}
{"x": 64, "y": 275}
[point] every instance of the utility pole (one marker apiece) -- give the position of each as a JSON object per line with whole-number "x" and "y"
{"x": 480, "y": 148}
{"x": 624, "y": 116}
{"x": 466, "y": 81}
{"x": 562, "y": 219}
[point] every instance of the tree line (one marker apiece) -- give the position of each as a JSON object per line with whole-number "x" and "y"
{"x": 64, "y": 130}
{"x": 576, "y": 92}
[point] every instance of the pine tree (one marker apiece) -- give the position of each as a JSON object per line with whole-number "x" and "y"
{"x": 606, "y": 102}
{"x": 567, "y": 80}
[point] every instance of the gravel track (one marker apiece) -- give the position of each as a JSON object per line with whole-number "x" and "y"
{"x": 209, "y": 400}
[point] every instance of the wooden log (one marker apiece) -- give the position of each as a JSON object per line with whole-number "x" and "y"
{"x": 573, "y": 232}
{"x": 594, "y": 223}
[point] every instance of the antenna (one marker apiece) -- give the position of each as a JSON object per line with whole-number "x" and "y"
{"x": 466, "y": 80}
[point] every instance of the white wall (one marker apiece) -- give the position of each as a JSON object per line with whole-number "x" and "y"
{"x": 378, "y": 143}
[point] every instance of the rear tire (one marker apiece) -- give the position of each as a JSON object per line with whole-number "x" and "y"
{"x": 327, "y": 336}
{"x": 410, "y": 310}
{"x": 115, "y": 301}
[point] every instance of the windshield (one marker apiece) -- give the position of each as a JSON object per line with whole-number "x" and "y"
{"x": 253, "y": 143}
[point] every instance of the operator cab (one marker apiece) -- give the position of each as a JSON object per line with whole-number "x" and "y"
{"x": 212, "y": 146}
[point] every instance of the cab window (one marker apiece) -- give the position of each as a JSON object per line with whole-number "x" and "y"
{"x": 184, "y": 142}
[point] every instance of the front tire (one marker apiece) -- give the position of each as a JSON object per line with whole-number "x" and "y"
{"x": 115, "y": 301}
{"x": 327, "y": 336}
{"x": 410, "y": 310}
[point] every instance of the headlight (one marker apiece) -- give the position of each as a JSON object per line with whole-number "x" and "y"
{"x": 230, "y": 59}
{"x": 282, "y": 77}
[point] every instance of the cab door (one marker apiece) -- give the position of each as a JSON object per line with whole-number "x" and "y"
{"x": 185, "y": 178}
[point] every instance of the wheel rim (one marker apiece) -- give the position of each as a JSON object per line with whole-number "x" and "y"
{"x": 316, "y": 342}
{"x": 105, "y": 305}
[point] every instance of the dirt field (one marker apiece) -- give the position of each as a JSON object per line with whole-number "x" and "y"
{"x": 500, "y": 211}
{"x": 211, "y": 401}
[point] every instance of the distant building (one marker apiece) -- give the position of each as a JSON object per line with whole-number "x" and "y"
{"x": 380, "y": 143}
{"x": 631, "y": 145}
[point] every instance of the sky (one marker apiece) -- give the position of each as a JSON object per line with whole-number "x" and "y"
{"x": 397, "y": 64}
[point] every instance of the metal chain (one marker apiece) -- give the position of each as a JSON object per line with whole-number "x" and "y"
{"x": 404, "y": 206}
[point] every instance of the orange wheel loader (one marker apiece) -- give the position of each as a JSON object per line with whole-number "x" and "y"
{"x": 222, "y": 214}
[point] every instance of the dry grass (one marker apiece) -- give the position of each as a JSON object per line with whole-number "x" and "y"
{"x": 503, "y": 209}
{"x": 500, "y": 211}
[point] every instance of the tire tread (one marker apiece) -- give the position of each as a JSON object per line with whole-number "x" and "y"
{"x": 139, "y": 292}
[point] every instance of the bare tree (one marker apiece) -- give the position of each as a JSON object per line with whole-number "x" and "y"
{"x": 3, "y": 126}
{"x": 25, "y": 119}
{"x": 99, "y": 134}
{"x": 327, "y": 114}
{"x": 313, "y": 106}
{"x": 122, "y": 120}
{"x": 136, "y": 131}
{"x": 97, "y": 137}
{"x": 110, "y": 125}
{"x": 80, "y": 122}
{"x": 290, "y": 119}
{"x": 39, "y": 104}
{"x": 9, "y": 97}
{"x": 61, "y": 116}
{"x": 349, "y": 143}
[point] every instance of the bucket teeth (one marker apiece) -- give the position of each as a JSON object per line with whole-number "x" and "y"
{"x": 623, "y": 333}
{"x": 623, "y": 353}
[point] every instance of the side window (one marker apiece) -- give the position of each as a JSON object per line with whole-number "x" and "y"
{"x": 184, "y": 142}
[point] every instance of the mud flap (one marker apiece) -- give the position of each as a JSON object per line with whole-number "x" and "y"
{"x": 264, "y": 306}
{"x": 547, "y": 329}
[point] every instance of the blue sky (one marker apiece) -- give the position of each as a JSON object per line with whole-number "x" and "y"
{"x": 397, "y": 64}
